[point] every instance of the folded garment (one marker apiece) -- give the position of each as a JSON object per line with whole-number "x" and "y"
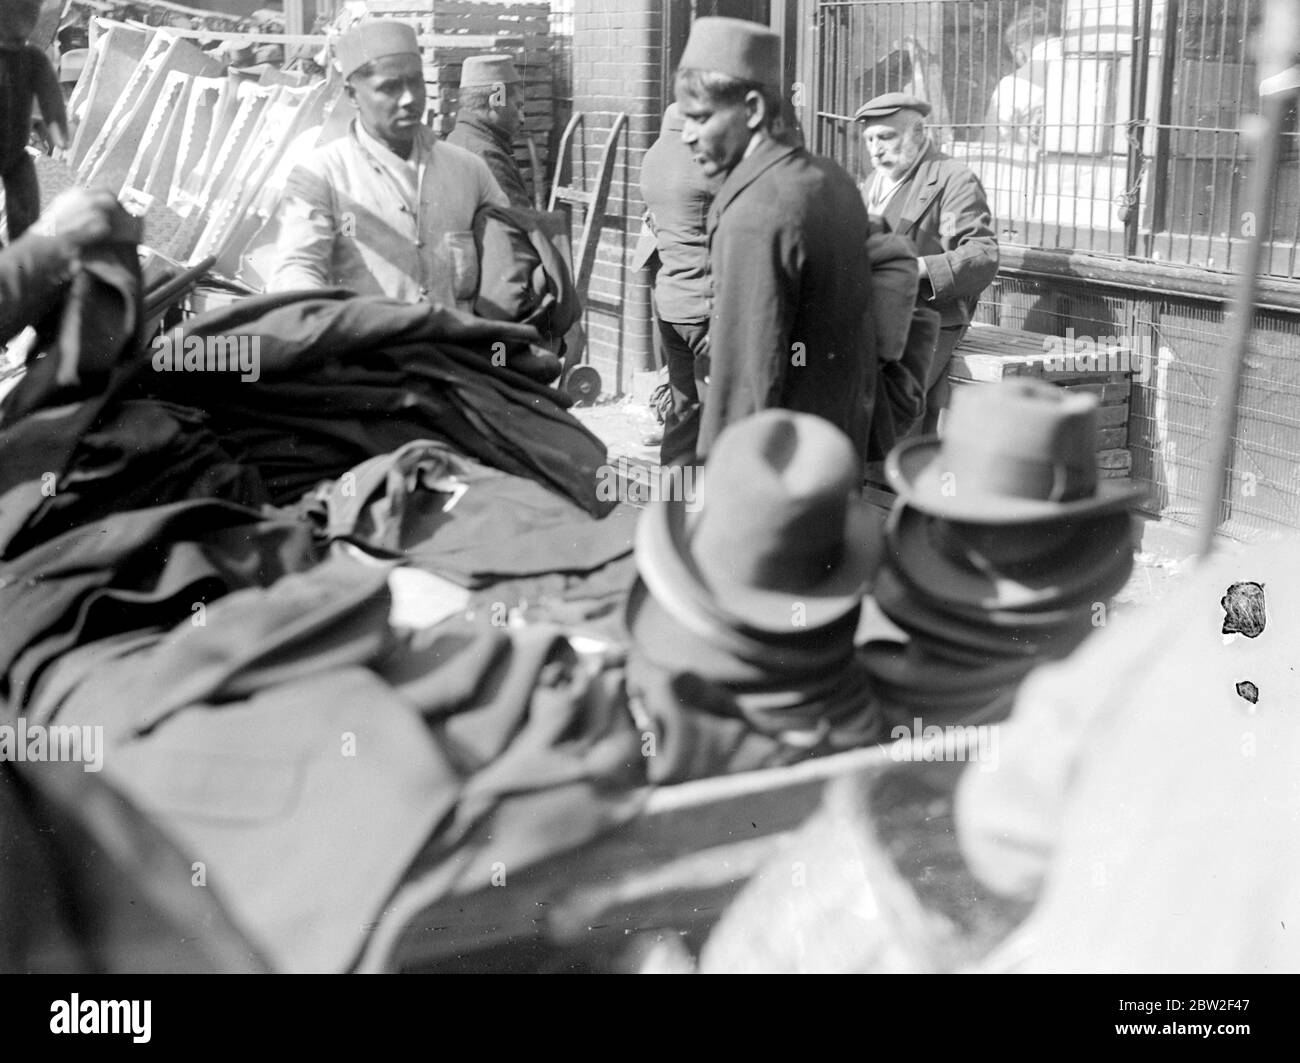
{"x": 461, "y": 520}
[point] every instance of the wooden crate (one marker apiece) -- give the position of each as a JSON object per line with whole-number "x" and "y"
{"x": 989, "y": 353}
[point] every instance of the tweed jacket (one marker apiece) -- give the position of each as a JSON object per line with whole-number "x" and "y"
{"x": 944, "y": 212}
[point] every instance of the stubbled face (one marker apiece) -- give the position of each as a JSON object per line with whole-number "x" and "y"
{"x": 717, "y": 135}
{"x": 893, "y": 143}
{"x": 390, "y": 100}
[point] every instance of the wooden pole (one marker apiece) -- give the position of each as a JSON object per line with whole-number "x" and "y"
{"x": 1279, "y": 46}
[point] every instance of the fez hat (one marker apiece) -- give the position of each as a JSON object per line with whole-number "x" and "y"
{"x": 374, "y": 39}
{"x": 891, "y": 103}
{"x": 732, "y": 46}
{"x": 782, "y": 543}
{"x": 1016, "y": 452}
{"x": 488, "y": 70}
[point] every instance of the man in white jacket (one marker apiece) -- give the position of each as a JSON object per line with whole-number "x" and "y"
{"x": 388, "y": 208}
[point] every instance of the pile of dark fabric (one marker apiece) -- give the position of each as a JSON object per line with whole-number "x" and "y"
{"x": 198, "y": 539}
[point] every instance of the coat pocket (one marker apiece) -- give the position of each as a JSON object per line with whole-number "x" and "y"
{"x": 462, "y": 257}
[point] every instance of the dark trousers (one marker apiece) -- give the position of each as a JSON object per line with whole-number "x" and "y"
{"x": 937, "y": 389}
{"x": 686, "y": 353}
{"x": 22, "y": 197}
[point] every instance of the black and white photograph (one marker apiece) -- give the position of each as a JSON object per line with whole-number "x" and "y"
{"x": 651, "y": 487}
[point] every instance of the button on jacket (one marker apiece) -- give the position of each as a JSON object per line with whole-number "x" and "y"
{"x": 357, "y": 216}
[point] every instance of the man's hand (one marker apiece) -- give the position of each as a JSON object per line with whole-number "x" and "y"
{"x": 79, "y": 217}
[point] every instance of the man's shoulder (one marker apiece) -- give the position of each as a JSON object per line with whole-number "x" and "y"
{"x": 800, "y": 176}
{"x": 946, "y": 168}
{"x": 445, "y": 153}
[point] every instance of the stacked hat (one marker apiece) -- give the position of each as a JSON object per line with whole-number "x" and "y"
{"x": 757, "y": 592}
{"x": 1000, "y": 549}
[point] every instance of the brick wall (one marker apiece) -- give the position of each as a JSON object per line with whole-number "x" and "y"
{"x": 617, "y": 54}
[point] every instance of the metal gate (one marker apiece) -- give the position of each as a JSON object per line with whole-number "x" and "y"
{"x": 1107, "y": 126}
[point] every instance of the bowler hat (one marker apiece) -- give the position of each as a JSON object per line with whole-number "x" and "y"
{"x": 1016, "y": 452}
{"x": 735, "y": 47}
{"x": 891, "y": 103}
{"x": 782, "y": 542}
{"x": 488, "y": 70}
{"x": 374, "y": 39}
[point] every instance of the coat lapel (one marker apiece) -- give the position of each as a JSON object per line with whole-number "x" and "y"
{"x": 765, "y": 156}
{"x": 925, "y": 187}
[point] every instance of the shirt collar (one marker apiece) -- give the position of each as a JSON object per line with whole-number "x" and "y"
{"x": 385, "y": 154}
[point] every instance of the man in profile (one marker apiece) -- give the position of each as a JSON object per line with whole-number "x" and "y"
{"x": 787, "y": 244}
{"x": 490, "y": 117}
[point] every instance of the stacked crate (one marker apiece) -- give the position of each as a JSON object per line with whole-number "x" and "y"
{"x": 989, "y": 353}
{"x": 520, "y": 30}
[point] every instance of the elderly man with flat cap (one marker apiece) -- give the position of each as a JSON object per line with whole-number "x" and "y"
{"x": 490, "y": 116}
{"x": 787, "y": 244}
{"x": 388, "y": 208}
{"x": 939, "y": 204}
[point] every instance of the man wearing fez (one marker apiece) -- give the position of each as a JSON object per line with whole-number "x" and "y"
{"x": 490, "y": 117}
{"x": 940, "y": 206}
{"x": 388, "y": 208}
{"x": 787, "y": 243}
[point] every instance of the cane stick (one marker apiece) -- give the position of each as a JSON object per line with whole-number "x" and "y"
{"x": 1279, "y": 44}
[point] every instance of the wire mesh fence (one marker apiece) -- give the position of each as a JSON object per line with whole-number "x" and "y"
{"x": 1108, "y": 126}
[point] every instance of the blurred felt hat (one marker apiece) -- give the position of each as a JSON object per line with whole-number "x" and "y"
{"x": 1016, "y": 452}
{"x": 782, "y": 542}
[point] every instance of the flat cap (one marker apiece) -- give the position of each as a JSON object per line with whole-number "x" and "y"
{"x": 732, "y": 46}
{"x": 891, "y": 103}
{"x": 488, "y": 70}
{"x": 374, "y": 39}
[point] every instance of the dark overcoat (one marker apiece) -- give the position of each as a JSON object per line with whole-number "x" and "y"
{"x": 791, "y": 280}
{"x": 490, "y": 145}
